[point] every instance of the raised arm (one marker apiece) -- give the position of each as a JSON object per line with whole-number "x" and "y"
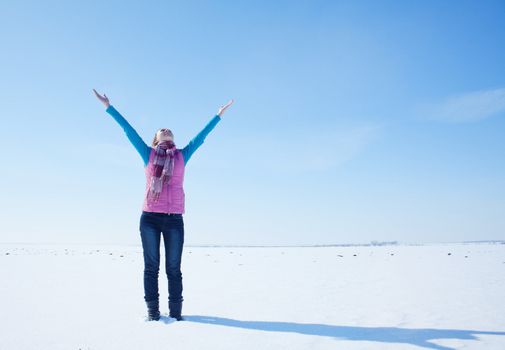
{"x": 198, "y": 140}
{"x": 142, "y": 148}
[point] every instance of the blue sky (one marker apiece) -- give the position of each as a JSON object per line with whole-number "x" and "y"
{"x": 353, "y": 120}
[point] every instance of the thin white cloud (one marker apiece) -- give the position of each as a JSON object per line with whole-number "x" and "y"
{"x": 467, "y": 107}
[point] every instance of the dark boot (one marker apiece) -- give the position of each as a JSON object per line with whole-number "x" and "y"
{"x": 175, "y": 310}
{"x": 153, "y": 310}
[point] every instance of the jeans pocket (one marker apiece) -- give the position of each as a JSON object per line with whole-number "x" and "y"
{"x": 149, "y": 219}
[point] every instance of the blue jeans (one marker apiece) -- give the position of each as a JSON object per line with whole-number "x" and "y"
{"x": 152, "y": 225}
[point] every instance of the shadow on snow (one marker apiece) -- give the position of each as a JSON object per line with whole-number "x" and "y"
{"x": 415, "y": 336}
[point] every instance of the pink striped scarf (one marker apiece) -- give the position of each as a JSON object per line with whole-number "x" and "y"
{"x": 163, "y": 168}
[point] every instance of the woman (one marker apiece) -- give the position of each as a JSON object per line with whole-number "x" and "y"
{"x": 163, "y": 207}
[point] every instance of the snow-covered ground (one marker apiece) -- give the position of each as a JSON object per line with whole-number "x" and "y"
{"x": 444, "y": 296}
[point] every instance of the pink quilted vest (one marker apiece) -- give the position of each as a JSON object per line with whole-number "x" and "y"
{"x": 171, "y": 199}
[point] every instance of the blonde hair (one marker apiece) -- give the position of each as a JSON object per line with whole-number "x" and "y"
{"x": 155, "y": 139}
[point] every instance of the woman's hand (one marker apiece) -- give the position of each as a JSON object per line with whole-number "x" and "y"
{"x": 223, "y": 108}
{"x": 104, "y": 99}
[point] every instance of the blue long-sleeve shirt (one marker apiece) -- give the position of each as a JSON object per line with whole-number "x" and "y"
{"x": 144, "y": 150}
